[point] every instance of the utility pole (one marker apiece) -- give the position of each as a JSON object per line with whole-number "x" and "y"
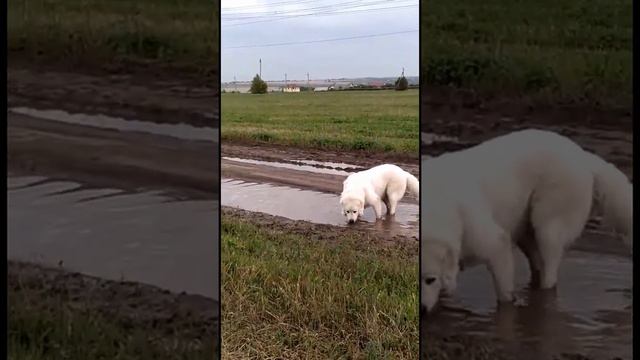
{"x": 235, "y": 83}
{"x": 403, "y": 72}
{"x": 285, "y": 79}
{"x": 308, "y": 81}
{"x": 260, "y": 68}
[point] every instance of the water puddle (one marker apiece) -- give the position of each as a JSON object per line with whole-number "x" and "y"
{"x": 147, "y": 237}
{"x": 312, "y": 206}
{"x": 295, "y": 165}
{"x": 180, "y": 131}
{"x": 590, "y": 314}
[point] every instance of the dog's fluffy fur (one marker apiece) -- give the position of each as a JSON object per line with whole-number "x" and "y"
{"x": 530, "y": 189}
{"x": 381, "y": 184}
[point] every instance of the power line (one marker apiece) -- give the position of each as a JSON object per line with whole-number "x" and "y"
{"x": 269, "y": 4}
{"x": 323, "y": 13}
{"x": 332, "y": 7}
{"x": 323, "y": 40}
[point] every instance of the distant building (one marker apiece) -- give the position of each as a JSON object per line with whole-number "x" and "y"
{"x": 321, "y": 88}
{"x": 291, "y": 88}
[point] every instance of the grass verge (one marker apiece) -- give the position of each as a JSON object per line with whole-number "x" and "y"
{"x": 373, "y": 121}
{"x": 47, "y": 321}
{"x": 181, "y": 33}
{"x": 288, "y": 297}
{"x": 579, "y": 50}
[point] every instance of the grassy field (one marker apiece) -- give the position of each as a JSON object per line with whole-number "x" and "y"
{"x": 48, "y": 327}
{"x": 341, "y": 120}
{"x": 573, "y": 49}
{"x": 182, "y": 33}
{"x": 288, "y": 297}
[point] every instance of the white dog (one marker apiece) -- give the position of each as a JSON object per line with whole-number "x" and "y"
{"x": 530, "y": 189}
{"x": 384, "y": 183}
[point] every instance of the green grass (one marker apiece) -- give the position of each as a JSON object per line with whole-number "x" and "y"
{"x": 48, "y": 327}
{"x": 376, "y": 121}
{"x": 570, "y": 49}
{"x": 183, "y": 33}
{"x": 288, "y": 297}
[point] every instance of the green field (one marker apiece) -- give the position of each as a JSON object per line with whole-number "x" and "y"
{"x": 578, "y": 50}
{"x": 376, "y": 121}
{"x": 288, "y": 297}
{"x": 180, "y": 33}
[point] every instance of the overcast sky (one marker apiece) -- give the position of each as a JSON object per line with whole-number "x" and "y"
{"x": 248, "y": 23}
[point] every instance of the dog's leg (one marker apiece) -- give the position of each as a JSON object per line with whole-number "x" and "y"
{"x": 502, "y": 267}
{"x": 393, "y": 204}
{"x": 529, "y": 247}
{"x": 551, "y": 251}
{"x": 377, "y": 208}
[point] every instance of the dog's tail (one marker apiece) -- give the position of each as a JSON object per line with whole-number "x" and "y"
{"x": 413, "y": 184}
{"x": 614, "y": 194}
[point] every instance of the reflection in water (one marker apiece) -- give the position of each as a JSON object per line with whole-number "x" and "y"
{"x": 589, "y": 313}
{"x": 141, "y": 236}
{"x": 313, "y": 206}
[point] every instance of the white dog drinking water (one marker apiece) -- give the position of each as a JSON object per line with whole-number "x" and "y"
{"x": 370, "y": 188}
{"x": 530, "y": 189}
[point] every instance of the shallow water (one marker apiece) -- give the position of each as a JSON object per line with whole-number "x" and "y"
{"x": 312, "y": 206}
{"x": 590, "y": 313}
{"x": 147, "y": 237}
{"x": 312, "y": 167}
{"x": 180, "y": 131}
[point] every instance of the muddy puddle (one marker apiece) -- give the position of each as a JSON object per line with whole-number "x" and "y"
{"x": 181, "y": 131}
{"x": 313, "y": 206}
{"x": 147, "y": 237}
{"x": 590, "y": 314}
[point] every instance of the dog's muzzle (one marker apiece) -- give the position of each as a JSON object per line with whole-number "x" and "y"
{"x": 351, "y": 221}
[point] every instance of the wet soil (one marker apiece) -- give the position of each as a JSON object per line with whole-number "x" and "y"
{"x": 322, "y": 232}
{"x": 192, "y": 318}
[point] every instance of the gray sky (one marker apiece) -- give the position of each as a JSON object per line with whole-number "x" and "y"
{"x": 251, "y": 22}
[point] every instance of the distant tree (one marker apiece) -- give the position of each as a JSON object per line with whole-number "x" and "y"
{"x": 402, "y": 83}
{"x": 258, "y": 86}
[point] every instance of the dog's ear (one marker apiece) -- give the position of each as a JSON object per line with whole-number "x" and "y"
{"x": 361, "y": 208}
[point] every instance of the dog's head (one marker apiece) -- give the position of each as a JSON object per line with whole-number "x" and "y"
{"x": 439, "y": 272}
{"x": 352, "y": 208}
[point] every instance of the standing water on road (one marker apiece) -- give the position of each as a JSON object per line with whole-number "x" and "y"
{"x": 313, "y": 206}
{"x": 146, "y": 237}
{"x": 590, "y": 314}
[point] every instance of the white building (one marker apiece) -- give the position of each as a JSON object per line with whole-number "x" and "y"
{"x": 291, "y": 88}
{"x": 321, "y": 88}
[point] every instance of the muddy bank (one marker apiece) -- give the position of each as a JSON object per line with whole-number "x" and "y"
{"x": 281, "y": 153}
{"x": 322, "y": 232}
{"x": 108, "y": 157}
{"x": 165, "y": 316}
{"x": 150, "y": 95}
{"x": 440, "y": 102}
